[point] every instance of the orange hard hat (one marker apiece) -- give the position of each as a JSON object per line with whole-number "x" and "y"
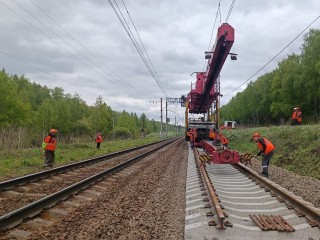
{"x": 53, "y": 131}
{"x": 256, "y": 135}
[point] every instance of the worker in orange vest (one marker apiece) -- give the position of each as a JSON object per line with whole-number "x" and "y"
{"x": 216, "y": 141}
{"x": 192, "y": 138}
{"x": 299, "y": 116}
{"x": 296, "y": 116}
{"x": 224, "y": 141}
{"x": 98, "y": 139}
{"x": 266, "y": 150}
{"x": 49, "y": 144}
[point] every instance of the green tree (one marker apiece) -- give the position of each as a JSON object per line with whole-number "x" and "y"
{"x": 12, "y": 110}
{"x": 310, "y": 59}
{"x": 101, "y": 116}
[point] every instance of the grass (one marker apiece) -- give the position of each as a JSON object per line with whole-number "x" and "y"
{"x": 297, "y": 150}
{"x": 14, "y": 163}
{"x": 297, "y": 147}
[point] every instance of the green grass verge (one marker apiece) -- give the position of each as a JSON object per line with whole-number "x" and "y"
{"x": 20, "y": 162}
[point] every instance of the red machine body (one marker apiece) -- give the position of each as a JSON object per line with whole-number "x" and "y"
{"x": 206, "y": 92}
{"x": 220, "y": 155}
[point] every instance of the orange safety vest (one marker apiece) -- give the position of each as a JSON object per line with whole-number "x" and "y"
{"x": 51, "y": 142}
{"x": 98, "y": 138}
{"x": 269, "y": 146}
{"x": 211, "y": 134}
{"x": 299, "y": 116}
{"x": 223, "y": 139}
{"x": 192, "y": 136}
{"x": 294, "y": 115}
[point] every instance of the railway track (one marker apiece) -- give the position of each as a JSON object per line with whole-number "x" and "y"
{"x": 147, "y": 200}
{"x": 246, "y": 206}
{"x": 26, "y": 197}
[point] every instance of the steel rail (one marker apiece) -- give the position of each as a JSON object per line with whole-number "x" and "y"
{"x": 309, "y": 211}
{"x": 16, "y": 217}
{"x": 213, "y": 196}
{"x": 6, "y": 185}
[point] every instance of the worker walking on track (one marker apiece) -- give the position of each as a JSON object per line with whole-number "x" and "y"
{"x": 49, "y": 144}
{"x": 266, "y": 150}
{"x": 98, "y": 139}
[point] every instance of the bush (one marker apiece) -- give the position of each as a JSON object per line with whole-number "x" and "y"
{"x": 122, "y": 133}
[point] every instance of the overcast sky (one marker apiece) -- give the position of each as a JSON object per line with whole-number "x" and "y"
{"x": 82, "y": 46}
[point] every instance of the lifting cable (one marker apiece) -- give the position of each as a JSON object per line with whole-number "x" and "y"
{"x": 230, "y": 10}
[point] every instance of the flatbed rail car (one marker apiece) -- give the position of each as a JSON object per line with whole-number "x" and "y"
{"x": 202, "y": 131}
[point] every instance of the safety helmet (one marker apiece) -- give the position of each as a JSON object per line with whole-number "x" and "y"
{"x": 53, "y": 131}
{"x": 256, "y": 135}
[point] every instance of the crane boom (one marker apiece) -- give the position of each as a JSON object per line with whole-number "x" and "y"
{"x": 204, "y": 93}
{"x": 225, "y": 39}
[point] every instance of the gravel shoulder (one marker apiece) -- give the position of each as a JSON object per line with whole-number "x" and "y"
{"x": 150, "y": 203}
{"x": 307, "y": 188}
{"x": 147, "y": 205}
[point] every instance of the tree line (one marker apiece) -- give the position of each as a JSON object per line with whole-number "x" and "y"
{"x": 28, "y": 111}
{"x": 272, "y": 97}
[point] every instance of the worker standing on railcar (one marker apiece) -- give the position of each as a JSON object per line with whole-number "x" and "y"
{"x": 266, "y": 150}
{"x": 98, "y": 139}
{"x": 49, "y": 144}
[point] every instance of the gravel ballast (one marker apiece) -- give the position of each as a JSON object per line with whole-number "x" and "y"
{"x": 150, "y": 203}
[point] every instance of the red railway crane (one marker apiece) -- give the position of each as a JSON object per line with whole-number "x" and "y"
{"x": 205, "y": 93}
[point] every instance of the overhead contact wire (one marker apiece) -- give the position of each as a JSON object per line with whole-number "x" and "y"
{"x": 275, "y": 55}
{"x": 135, "y": 44}
{"x": 143, "y": 45}
{"x": 90, "y": 52}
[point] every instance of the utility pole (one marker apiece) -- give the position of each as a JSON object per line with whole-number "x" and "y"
{"x": 181, "y": 100}
{"x": 113, "y": 132}
{"x": 161, "y": 117}
{"x": 142, "y": 130}
{"x": 183, "y": 103}
{"x": 175, "y": 124}
{"x": 166, "y": 118}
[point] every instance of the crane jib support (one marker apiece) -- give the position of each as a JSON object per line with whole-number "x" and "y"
{"x": 222, "y": 48}
{"x": 212, "y": 78}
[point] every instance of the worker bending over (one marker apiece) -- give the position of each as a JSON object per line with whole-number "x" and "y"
{"x": 266, "y": 150}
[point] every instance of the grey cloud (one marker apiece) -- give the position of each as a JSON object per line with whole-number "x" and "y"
{"x": 175, "y": 34}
